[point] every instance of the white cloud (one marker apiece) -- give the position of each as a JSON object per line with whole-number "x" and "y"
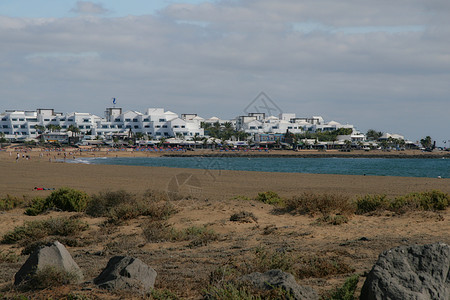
{"x": 89, "y": 8}
{"x": 374, "y": 64}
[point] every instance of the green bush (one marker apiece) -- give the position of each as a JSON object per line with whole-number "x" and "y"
{"x": 48, "y": 277}
{"x": 269, "y": 197}
{"x": 10, "y": 202}
{"x": 68, "y": 199}
{"x": 36, "y": 207}
{"x": 119, "y": 206}
{"x": 265, "y": 260}
{"x": 65, "y": 199}
{"x": 325, "y": 204}
{"x": 320, "y": 267}
{"x": 347, "y": 291}
{"x": 158, "y": 294}
{"x": 370, "y": 203}
{"x": 429, "y": 200}
{"x": 35, "y": 230}
{"x": 161, "y": 232}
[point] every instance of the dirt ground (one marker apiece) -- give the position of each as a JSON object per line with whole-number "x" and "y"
{"x": 216, "y": 195}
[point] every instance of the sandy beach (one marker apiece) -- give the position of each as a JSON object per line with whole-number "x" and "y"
{"x": 217, "y": 195}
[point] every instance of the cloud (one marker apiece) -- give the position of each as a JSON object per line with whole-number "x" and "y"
{"x": 379, "y": 65}
{"x": 89, "y": 8}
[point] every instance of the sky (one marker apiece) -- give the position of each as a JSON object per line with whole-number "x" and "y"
{"x": 382, "y": 65}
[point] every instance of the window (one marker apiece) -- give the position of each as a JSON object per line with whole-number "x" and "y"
{"x": 135, "y": 120}
{"x": 5, "y": 126}
{"x": 127, "y": 120}
{"x": 252, "y": 127}
{"x": 88, "y": 127}
{"x": 104, "y": 126}
{"x": 16, "y": 126}
{"x": 14, "y": 119}
{"x": 164, "y": 126}
{"x": 85, "y": 120}
{"x": 147, "y": 126}
{"x": 147, "y": 120}
{"x": 158, "y": 126}
{"x": 289, "y": 127}
{"x": 22, "y": 120}
{"x": 47, "y": 120}
{"x": 136, "y": 126}
{"x": 166, "y": 134}
{"x": 117, "y": 120}
{"x": 119, "y": 126}
{"x": 128, "y": 126}
{"x": 162, "y": 120}
{"x": 274, "y": 127}
{"x": 81, "y": 126}
{"x": 64, "y": 126}
{"x": 23, "y": 126}
{"x": 176, "y": 126}
{"x": 158, "y": 133}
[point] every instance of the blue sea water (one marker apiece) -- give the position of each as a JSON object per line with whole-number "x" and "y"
{"x": 346, "y": 166}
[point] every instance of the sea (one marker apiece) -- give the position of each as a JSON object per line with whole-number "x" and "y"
{"x": 406, "y": 167}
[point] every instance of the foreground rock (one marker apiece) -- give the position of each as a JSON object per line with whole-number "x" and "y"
{"x": 126, "y": 273}
{"x": 410, "y": 272}
{"x": 279, "y": 279}
{"x": 54, "y": 255}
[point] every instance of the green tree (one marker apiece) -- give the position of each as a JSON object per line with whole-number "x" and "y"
{"x": 427, "y": 142}
{"x": 373, "y": 135}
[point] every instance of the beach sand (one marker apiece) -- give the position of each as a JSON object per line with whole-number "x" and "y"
{"x": 186, "y": 270}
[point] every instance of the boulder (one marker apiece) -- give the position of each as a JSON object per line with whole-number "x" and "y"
{"x": 52, "y": 255}
{"x": 410, "y": 272}
{"x": 279, "y": 279}
{"x": 126, "y": 273}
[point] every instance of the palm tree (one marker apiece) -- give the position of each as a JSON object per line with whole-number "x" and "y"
{"x": 74, "y": 129}
{"x": 40, "y": 129}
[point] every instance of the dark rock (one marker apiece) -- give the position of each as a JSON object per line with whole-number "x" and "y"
{"x": 410, "y": 272}
{"x": 279, "y": 279}
{"x": 53, "y": 255}
{"x": 126, "y": 273}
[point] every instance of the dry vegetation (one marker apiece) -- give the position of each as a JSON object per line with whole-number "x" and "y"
{"x": 201, "y": 249}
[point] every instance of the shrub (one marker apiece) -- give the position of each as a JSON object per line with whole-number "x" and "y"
{"x": 37, "y": 206}
{"x": 229, "y": 291}
{"x": 319, "y": 267}
{"x": 347, "y": 291}
{"x": 240, "y": 291}
{"x": 161, "y": 232}
{"x": 430, "y": 200}
{"x": 370, "y": 203}
{"x": 332, "y": 220}
{"x": 243, "y": 217}
{"x": 157, "y": 294}
{"x": 68, "y": 199}
{"x": 269, "y": 197}
{"x": 35, "y": 230}
{"x": 325, "y": 204}
{"x": 265, "y": 260}
{"x": 119, "y": 206}
{"x": 48, "y": 277}
{"x": 10, "y": 202}
{"x": 8, "y": 256}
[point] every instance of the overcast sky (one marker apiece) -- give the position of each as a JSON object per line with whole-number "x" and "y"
{"x": 375, "y": 64}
